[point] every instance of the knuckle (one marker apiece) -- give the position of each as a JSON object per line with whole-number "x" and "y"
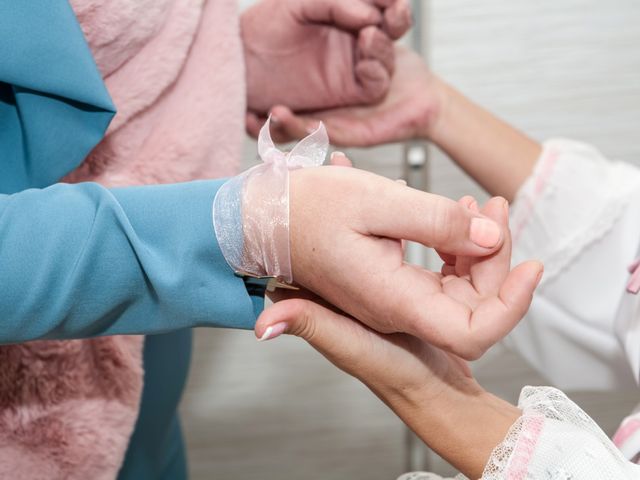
{"x": 440, "y": 223}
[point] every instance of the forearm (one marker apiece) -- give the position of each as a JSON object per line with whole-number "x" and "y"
{"x": 496, "y": 155}
{"x": 80, "y": 261}
{"x": 462, "y": 427}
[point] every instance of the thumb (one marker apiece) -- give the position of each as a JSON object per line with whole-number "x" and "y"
{"x": 375, "y": 64}
{"x": 432, "y": 220}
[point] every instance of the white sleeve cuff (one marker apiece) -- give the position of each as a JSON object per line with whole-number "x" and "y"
{"x": 572, "y": 199}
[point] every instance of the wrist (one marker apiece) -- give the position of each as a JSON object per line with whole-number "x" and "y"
{"x": 463, "y": 425}
{"x": 437, "y": 109}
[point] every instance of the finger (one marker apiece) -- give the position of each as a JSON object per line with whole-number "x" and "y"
{"x": 351, "y": 16}
{"x": 489, "y": 273}
{"x": 373, "y": 78}
{"x": 374, "y": 44}
{"x": 253, "y": 124}
{"x": 447, "y": 258}
{"x": 463, "y": 264}
{"x": 448, "y": 270}
{"x": 470, "y": 202}
{"x": 450, "y": 260}
{"x": 494, "y": 318}
{"x": 435, "y": 221}
{"x": 290, "y": 126}
{"x": 466, "y": 332}
{"x": 335, "y": 336}
{"x": 339, "y": 159}
{"x": 343, "y": 128}
{"x": 397, "y": 19}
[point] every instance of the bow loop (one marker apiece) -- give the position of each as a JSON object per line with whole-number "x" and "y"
{"x": 311, "y": 151}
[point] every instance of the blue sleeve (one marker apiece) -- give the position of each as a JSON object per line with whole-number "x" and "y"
{"x": 54, "y": 106}
{"x": 80, "y": 260}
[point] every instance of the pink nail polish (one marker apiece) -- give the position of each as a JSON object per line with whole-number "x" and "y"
{"x": 273, "y": 331}
{"x": 484, "y": 232}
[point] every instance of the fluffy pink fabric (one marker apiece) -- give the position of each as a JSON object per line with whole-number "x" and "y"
{"x": 175, "y": 71}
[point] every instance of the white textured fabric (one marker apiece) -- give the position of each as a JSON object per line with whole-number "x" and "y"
{"x": 579, "y": 213}
{"x": 426, "y": 476}
{"x": 555, "y": 439}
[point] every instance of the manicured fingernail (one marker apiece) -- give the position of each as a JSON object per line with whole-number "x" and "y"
{"x": 273, "y": 331}
{"x": 484, "y": 232}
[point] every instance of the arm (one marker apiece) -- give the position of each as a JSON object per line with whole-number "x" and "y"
{"x": 432, "y": 391}
{"x": 81, "y": 260}
{"x": 461, "y": 427}
{"x": 498, "y": 156}
{"x": 49, "y": 86}
{"x": 437, "y": 397}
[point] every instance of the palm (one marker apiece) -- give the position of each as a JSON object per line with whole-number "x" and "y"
{"x": 472, "y": 304}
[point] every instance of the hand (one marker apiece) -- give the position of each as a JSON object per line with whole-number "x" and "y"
{"x": 318, "y": 54}
{"x": 432, "y": 391}
{"x": 408, "y": 111}
{"x": 345, "y": 231}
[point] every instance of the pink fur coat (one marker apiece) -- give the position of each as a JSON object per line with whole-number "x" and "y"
{"x": 175, "y": 71}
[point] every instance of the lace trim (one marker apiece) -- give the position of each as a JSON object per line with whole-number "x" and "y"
{"x": 428, "y": 476}
{"x": 513, "y": 457}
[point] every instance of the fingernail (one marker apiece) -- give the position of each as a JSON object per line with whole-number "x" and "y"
{"x": 484, "y": 232}
{"x": 274, "y": 119}
{"x": 539, "y": 277}
{"x": 402, "y": 181}
{"x": 474, "y": 206}
{"x": 506, "y": 208}
{"x": 337, "y": 154}
{"x": 273, "y": 331}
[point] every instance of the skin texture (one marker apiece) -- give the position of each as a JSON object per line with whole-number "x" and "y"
{"x": 410, "y": 105}
{"x": 342, "y": 218}
{"x": 319, "y": 54}
{"x": 431, "y": 390}
{"x": 420, "y": 105}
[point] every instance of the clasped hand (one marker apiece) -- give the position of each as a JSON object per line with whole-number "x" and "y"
{"x": 346, "y": 227}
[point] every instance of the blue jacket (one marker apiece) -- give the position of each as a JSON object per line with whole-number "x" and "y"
{"x": 78, "y": 261}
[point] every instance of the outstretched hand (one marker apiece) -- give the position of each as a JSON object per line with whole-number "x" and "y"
{"x": 351, "y": 256}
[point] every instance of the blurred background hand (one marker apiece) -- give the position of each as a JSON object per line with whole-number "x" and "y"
{"x": 318, "y": 54}
{"x": 408, "y": 111}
